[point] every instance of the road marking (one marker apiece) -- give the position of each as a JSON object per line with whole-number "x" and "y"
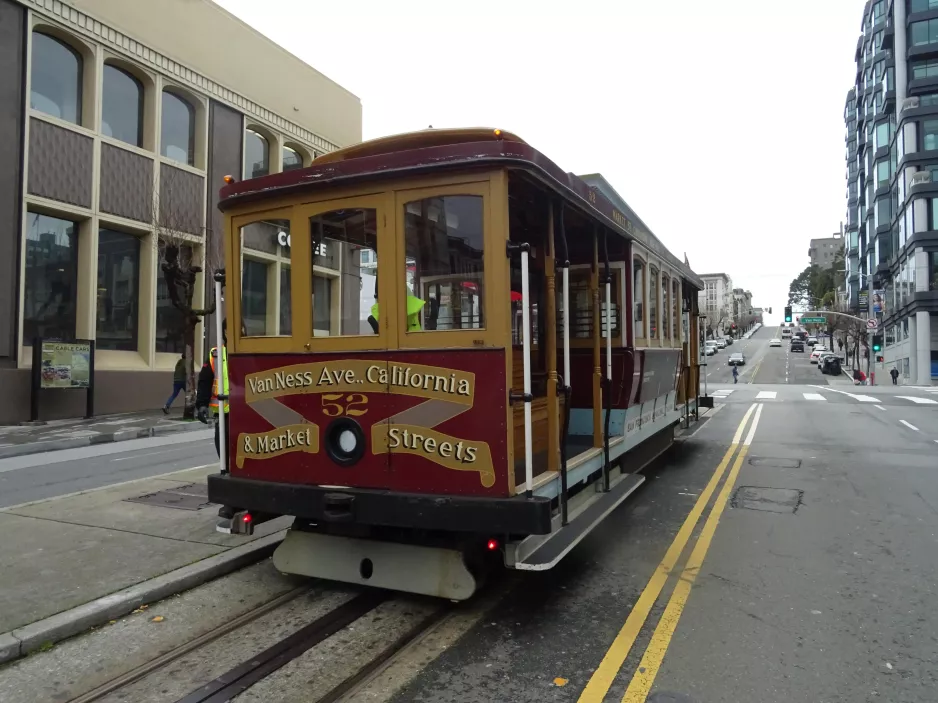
{"x": 920, "y": 401}
{"x": 650, "y": 664}
{"x": 909, "y": 425}
{"x": 813, "y": 396}
{"x": 880, "y": 407}
{"x": 161, "y": 451}
{"x": 767, "y": 395}
{"x": 605, "y": 674}
{"x": 861, "y": 398}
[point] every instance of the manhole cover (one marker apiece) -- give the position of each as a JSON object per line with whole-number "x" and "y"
{"x": 191, "y": 497}
{"x": 777, "y": 462}
{"x": 772, "y": 500}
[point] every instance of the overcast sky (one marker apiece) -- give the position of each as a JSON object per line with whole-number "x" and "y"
{"x": 721, "y": 123}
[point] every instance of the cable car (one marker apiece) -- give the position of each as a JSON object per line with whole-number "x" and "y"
{"x": 465, "y": 355}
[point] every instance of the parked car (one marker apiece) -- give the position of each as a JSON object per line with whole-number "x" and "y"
{"x": 710, "y": 348}
{"x": 728, "y": 340}
{"x": 815, "y": 355}
{"x": 775, "y": 342}
{"x": 812, "y": 340}
{"x": 797, "y": 345}
{"x": 830, "y": 364}
{"x": 721, "y": 344}
{"x": 737, "y": 359}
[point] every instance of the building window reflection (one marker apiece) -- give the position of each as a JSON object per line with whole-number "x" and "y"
{"x": 256, "y": 155}
{"x": 51, "y": 278}
{"x": 170, "y": 330}
{"x": 292, "y": 159}
{"x": 56, "y": 77}
{"x": 118, "y": 290}
{"x": 177, "y": 129}
{"x": 122, "y": 106}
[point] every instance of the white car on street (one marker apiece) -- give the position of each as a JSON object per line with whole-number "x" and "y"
{"x": 817, "y": 353}
{"x": 775, "y": 342}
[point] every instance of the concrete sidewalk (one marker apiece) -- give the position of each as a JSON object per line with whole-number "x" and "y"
{"x": 19, "y": 440}
{"x": 76, "y": 562}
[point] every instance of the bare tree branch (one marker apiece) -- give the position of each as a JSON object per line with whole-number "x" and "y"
{"x": 175, "y": 246}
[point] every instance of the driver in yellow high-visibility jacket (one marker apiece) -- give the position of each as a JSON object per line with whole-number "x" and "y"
{"x": 414, "y": 306}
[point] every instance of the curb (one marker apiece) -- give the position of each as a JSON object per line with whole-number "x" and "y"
{"x": 104, "y": 438}
{"x": 68, "y": 623}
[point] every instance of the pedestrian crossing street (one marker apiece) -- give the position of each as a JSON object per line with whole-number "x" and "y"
{"x": 902, "y": 395}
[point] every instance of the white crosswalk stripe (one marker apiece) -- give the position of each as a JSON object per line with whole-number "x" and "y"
{"x": 722, "y": 393}
{"x": 767, "y": 395}
{"x": 813, "y": 396}
{"x": 920, "y": 401}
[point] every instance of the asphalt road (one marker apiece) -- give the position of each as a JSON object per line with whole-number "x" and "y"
{"x": 50, "y": 474}
{"x": 810, "y": 575}
{"x": 765, "y": 364}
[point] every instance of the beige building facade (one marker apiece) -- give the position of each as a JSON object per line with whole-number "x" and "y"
{"x": 120, "y": 120}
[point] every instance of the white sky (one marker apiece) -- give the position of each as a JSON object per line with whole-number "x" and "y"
{"x": 721, "y": 123}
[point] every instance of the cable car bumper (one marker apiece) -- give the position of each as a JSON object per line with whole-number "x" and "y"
{"x": 517, "y": 515}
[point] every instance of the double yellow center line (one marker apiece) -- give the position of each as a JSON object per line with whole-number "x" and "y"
{"x": 644, "y": 676}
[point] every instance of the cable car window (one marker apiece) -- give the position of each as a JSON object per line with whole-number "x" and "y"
{"x": 653, "y": 303}
{"x": 265, "y": 279}
{"x": 345, "y": 272}
{"x": 638, "y": 297}
{"x": 444, "y": 263}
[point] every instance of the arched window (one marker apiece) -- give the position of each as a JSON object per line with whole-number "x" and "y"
{"x": 177, "y": 129}
{"x": 291, "y": 159}
{"x": 665, "y": 317}
{"x": 55, "y": 87}
{"x": 638, "y": 299}
{"x": 122, "y": 106}
{"x": 256, "y": 155}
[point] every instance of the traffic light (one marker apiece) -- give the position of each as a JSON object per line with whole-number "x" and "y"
{"x": 877, "y": 342}
{"x": 788, "y": 313}
{"x": 880, "y": 359}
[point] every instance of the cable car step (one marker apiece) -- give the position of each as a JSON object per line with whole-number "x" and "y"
{"x": 566, "y": 538}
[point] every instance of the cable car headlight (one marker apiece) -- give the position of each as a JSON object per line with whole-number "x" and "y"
{"x": 344, "y": 441}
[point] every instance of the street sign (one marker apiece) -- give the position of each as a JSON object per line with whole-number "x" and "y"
{"x": 813, "y": 320}
{"x": 872, "y": 324}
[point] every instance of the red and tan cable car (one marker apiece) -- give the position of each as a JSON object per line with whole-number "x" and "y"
{"x": 449, "y": 351}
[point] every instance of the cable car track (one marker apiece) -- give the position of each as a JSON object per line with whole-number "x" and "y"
{"x": 255, "y": 668}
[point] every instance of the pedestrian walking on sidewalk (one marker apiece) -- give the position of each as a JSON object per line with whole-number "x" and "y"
{"x": 894, "y": 372}
{"x": 735, "y": 374}
{"x": 179, "y": 382}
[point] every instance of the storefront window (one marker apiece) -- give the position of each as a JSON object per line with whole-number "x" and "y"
{"x": 444, "y": 243}
{"x": 118, "y": 290}
{"x": 51, "y": 278}
{"x": 169, "y": 319}
{"x": 665, "y": 307}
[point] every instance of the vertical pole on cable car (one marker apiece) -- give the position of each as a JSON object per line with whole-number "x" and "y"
{"x": 565, "y": 311}
{"x": 220, "y": 367}
{"x": 526, "y": 396}
{"x": 607, "y": 395}
{"x": 526, "y": 350}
